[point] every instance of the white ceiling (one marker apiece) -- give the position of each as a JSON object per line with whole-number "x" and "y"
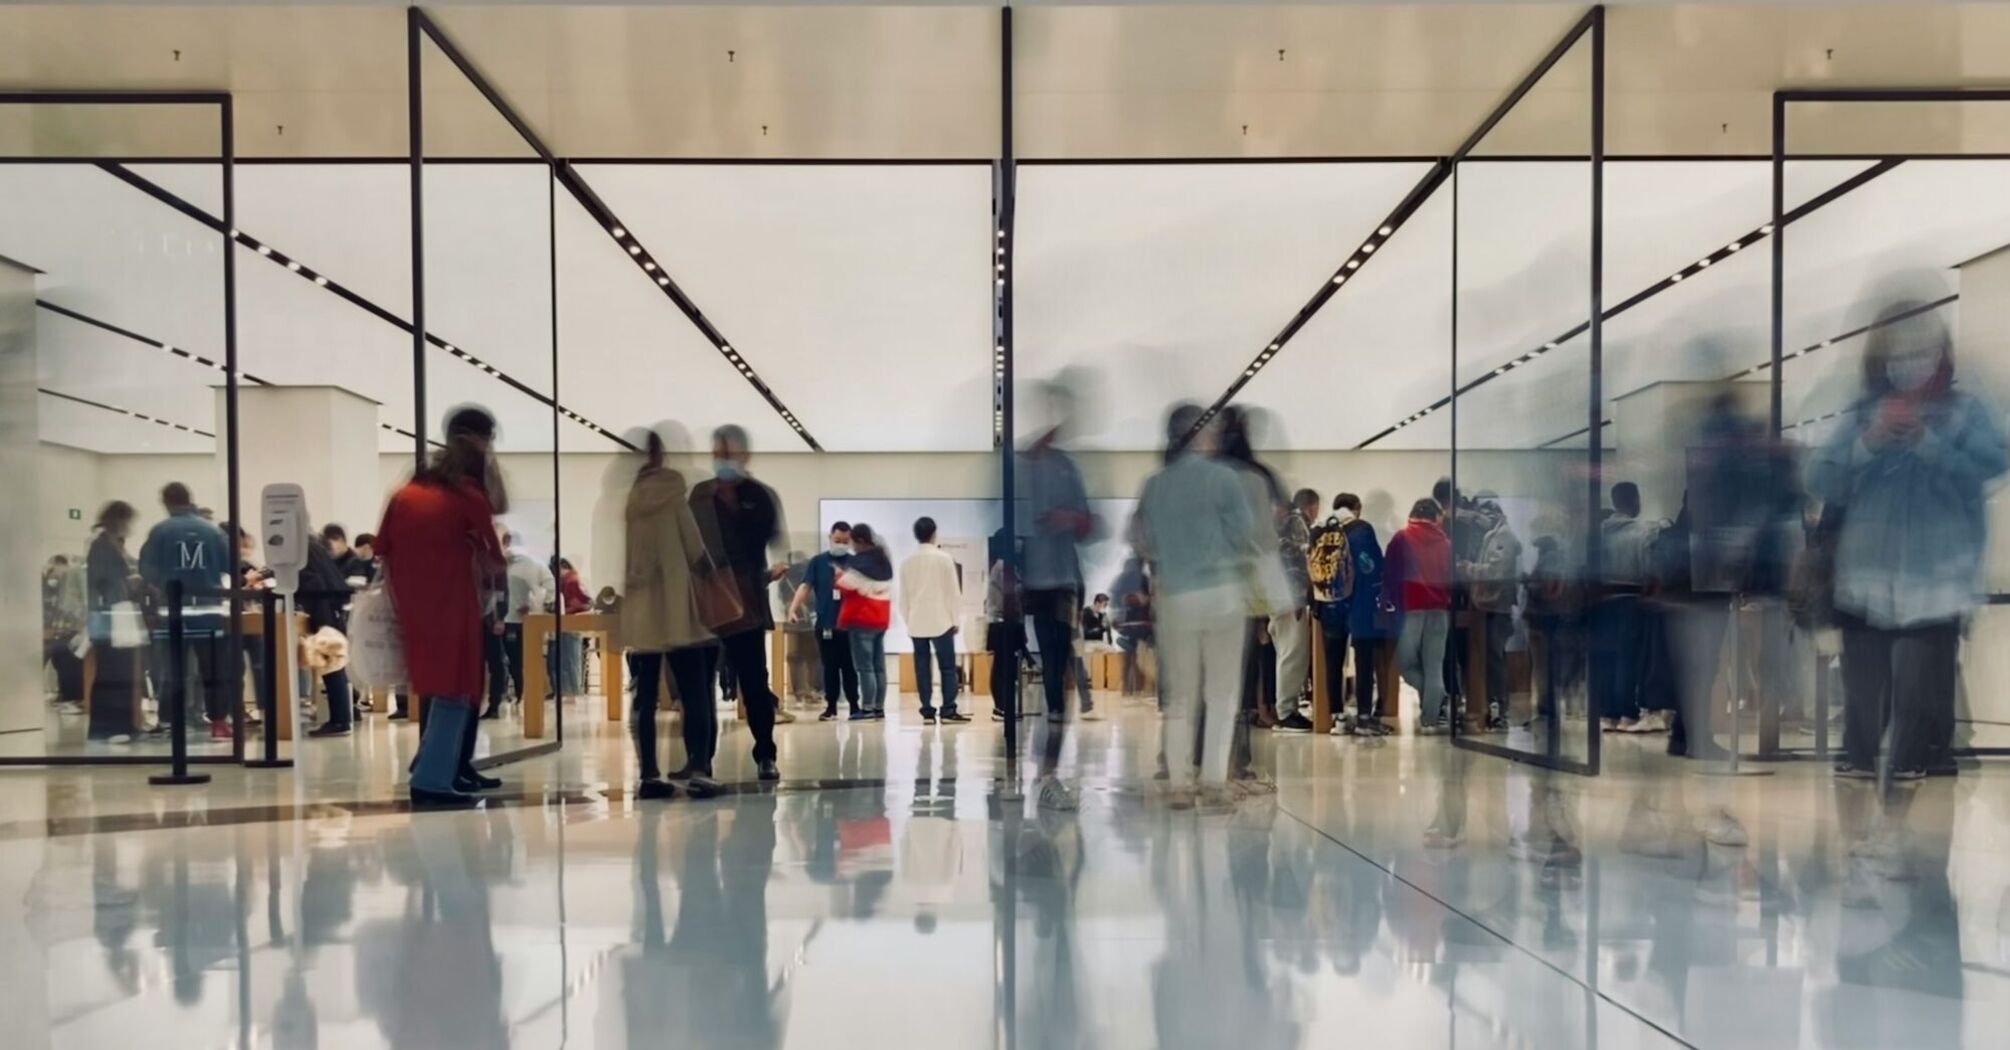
{"x": 862, "y": 293}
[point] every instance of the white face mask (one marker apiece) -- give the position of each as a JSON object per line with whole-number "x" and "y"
{"x": 1344, "y": 515}
{"x": 1910, "y": 372}
{"x": 840, "y": 549}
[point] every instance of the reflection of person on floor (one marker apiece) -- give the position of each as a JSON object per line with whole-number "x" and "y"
{"x": 1213, "y": 987}
{"x": 434, "y": 980}
{"x": 708, "y": 984}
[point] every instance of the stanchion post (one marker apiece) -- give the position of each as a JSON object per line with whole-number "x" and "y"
{"x": 1734, "y": 685}
{"x": 177, "y": 692}
{"x": 268, "y": 702}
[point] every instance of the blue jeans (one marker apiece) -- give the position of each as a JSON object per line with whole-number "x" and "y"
{"x": 868, "y": 653}
{"x": 944, "y": 649}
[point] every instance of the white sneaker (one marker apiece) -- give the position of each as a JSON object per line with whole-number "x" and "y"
{"x": 1216, "y": 798}
{"x": 1720, "y": 828}
{"x": 1058, "y": 796}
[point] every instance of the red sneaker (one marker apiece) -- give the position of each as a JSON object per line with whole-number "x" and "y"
{"x": 221, "y": 731}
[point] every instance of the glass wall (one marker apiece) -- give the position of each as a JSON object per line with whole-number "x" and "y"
{"x": 1533, "y": 601}
{"x": 113, "y": 351}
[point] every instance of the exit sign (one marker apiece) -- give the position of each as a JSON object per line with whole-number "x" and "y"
{"x": 76, "y": 515}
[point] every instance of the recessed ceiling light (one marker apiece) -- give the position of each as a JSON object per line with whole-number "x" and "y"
{"x": 650, "y": 266}
{"x": 619, "y": 232}
{"x": 322, "y": 281}
{"x": 263, "y": 250}
{"x": 1385, "y": 231}
{"x": 1677, "y": 277}
{"x": 294, "y": 266}
{"x": 1766, "y": 230}
{"x": 1367, "y": 249}
{"x": 1704, "y": 261}
{"x": 1340, "y": 279}
{"x": 635, "y": 249}
{"x": 1734, "y": 246}
{"x": 1353, "y": 264}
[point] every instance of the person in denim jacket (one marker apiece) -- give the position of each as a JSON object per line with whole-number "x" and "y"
{"x": 1907, "y": 467}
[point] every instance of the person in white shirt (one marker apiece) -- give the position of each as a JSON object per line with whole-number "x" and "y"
{"x": 931, "y": 589}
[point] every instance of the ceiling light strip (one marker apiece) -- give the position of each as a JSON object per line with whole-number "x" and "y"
{"x": 1702, "y": 263}
{"x": 127, "y": 333}
{"x": 141, "y": 416}
{"x": 1348, "y": 270}
{"x": 645, "y": 263}
{"x": 321, "y": 281}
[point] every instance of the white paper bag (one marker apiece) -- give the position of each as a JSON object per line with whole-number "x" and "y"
{"x": 376, "y": 650}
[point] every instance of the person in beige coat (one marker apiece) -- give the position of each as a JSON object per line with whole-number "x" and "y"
{"x": 660, "y": 624}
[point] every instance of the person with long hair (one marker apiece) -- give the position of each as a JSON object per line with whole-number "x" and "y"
{"x": 865, "y": 613}
{"x": 438, "y": 544}
{"x": 1905, "y": 471}
{"x": 1278, "y": 629}
{"x": 111, "y": 579}
{"x": 661, "y": 624}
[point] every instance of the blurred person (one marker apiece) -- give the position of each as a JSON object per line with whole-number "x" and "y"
{"x": 1273, "y": 591}
{"x": 1096, "y": 620}
{"x": 361, "y": 565}
{"x": 187, "y": 549}
{"x": 1133, "y": 621}
{"x": 337, "y": 539}
{"x": 1357, "y": 618}
{"x": 438, "y": 543}
{"x": 1195, "y": 525}
{"x": 64, "y": 608}
{"x": 661, "y": 623}
{"x": 930, "y": 593}
{"x": 865, "y": 613}
{"x": 112, "y": 580}
{"x": 819, "y": 591}
{"x": 565, "y": 652}
{"x": 1291, "y": 632}
{"x": 1493, "y": 584}
{"x": 1553, "y": 620}
{"x": 1417, "y": 582}
{"x": 531, "y": 588}
{"x": 250, "y": 577}
{"x": 1004, "y": 627}
{"x": 1615, "y": 615}
{"x": 1464, "y": 528}
{"x": 743, "y": 525}
{"x": 1907, "y": 468}
{"x": 1052, "y": 506}
{"x": 324, "y": 598}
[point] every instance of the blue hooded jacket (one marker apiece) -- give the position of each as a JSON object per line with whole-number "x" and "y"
{"x": 1365, "y": 619}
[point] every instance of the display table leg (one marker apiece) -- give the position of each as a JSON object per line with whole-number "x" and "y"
{"x": 536, "y": 680}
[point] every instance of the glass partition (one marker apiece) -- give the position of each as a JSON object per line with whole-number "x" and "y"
{"x": 1908, "y": 262}
{"x": 1541, "y": 612}
{"x": 115, "y": 338}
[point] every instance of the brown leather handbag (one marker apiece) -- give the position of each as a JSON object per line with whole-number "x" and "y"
{"x": 717, "y": 590}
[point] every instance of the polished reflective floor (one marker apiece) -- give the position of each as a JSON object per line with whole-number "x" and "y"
{"x": 1396, "y": 893}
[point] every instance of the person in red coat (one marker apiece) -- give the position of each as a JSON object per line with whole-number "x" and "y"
{"x": 1417, "y": 580}
{"x": 438, "y": 545}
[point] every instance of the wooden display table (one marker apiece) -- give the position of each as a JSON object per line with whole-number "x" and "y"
{"x": 537, "y": 629}
{"x": 283, "y": 675}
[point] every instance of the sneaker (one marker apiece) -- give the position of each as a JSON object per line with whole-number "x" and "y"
{"x": 1059, "y": 797}
{"x": 69, "y": 707}
{"x": 119, "y": 738}
{"x": 1090, "y": 714}
{"x": 702, "y": 786}
{"x": 1053, "y": 718}
{"x": 1431, "y": 729}
{"x": 861, "y": 716}
{"x": 655, "y": 789}
{"x": 399, "y": 715}
{"x": 1720, "y": 828}
{"x": 956, "y": 717}
{"x": 1180, "y": 797}
{"x": 1373, "y": 727}
{"x": 1627, "y": 725}
{"x": 1847, "y": 771}
{"x": 784, "y": 716}
{"x": 1254, "y": 783}
{"x": 927, "y": 715}
{"x": 1907, "y": 776}
{"x": 328, "y": 729}
{"x": 768, "y": 770}
{"x": 221, "y": 731}
{"x": 424, "y": 798}
{"x": 687, "y": 772}
{"x": 1294, "y": 723}
{"x": 828, "y": 716}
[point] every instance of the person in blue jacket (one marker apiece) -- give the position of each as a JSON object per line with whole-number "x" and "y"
{"x": 1906, "y": 469}
{"x": 1366, "y": 624}
{"x": 189, "y": 549}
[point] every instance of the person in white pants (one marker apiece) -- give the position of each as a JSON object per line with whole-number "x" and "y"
{"x": 1193, "y": 523}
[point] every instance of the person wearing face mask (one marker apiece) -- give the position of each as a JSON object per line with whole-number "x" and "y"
{"x": 1906, "y": 471}
{"x": 819, "y": 592}
{"x": 744, "y": 530}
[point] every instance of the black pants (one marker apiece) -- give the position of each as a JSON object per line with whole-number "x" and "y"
{"x": 701, "y": 722}
{"x": 205, "y": 655}
{"x": 495, "y": 658}
{"x": 113, "y": 692}
{"x": 839, "y": 674}
{"x": 513, "y": 652}
{"x": 1259, "y": 690}
{"x": 1906, "y": 676}
{"x": 341, "y": 702}
{"x": 1499, "y": 627}
{"x": 1366, "y": 652}
{"x": 746, "y": 654}
{"x": 69, "y": 666}
{"x": 1054, "y": 613}
{"x": 1005, "y": 642}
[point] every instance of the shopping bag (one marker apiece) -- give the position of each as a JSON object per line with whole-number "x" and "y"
{"x": 120, "y": 626}
{"x": 376, "y": 649}
{"x": 718, "y": 592}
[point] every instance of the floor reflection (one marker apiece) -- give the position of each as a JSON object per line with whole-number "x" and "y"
{"x": 1399, "y": 894}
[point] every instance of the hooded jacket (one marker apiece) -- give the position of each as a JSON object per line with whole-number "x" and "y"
{"x": 867, "y": 583}
{"x": 659, "y": 610}
{"x": 1418, "y": 572}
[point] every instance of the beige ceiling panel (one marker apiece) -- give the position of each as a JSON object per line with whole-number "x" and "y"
{"x": 907, "y": 82}
{"x": 1268, "y": 81}
{"x": 172, "y": 130}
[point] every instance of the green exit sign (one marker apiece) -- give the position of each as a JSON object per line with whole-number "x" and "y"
{"x": 76, "y": 515}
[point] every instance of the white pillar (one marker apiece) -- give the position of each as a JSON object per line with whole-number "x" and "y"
{"x": 1982, "y": 363}
{"x": 1652, "y": 428}
{"x": 21, "y": 702}
{"x": 322, "y": 438}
